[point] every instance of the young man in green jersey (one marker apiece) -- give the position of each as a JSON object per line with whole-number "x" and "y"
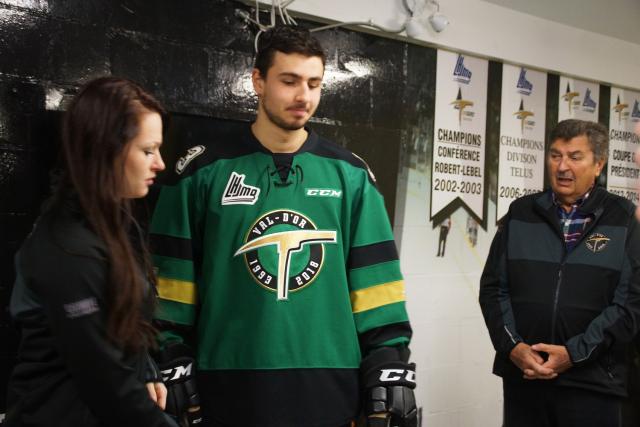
{"x": 274, "y": 245}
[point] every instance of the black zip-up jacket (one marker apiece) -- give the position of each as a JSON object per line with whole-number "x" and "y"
{"x": 533, "y": 291}
{"x": 68, "y": 372}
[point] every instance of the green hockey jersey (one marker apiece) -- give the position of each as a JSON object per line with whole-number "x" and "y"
{"x": 286, "y": 267}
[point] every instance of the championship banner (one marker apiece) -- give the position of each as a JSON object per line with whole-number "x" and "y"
{"x": 457, "y": 172}
{"x": 622, "y": 173}
{"x": 579, "y": 99}
{"x": 522, "y": 128}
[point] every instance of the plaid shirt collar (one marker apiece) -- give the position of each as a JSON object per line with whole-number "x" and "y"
{"x": 574, "y": 206}
{"x": 573, "y": 223}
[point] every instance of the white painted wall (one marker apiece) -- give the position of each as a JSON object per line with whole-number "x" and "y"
{"x": 450, "y": 345}
{"x": 615, "y": 18}
{"x": 494, "y": 31}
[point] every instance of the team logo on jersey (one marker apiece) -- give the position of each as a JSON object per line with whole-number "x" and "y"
{"x": 596, "y": 242}
{"x": 284, "y": 251}
{"x": 238, "y": 193}
{"x": 192, "y": 153}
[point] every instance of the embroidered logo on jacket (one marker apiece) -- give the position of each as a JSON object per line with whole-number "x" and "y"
{"x": 239, "y": 193}
{"x": 596, "y": 242}
{"x": 192, "y": 153}
{"x": 284, "y": 251}
{"x": 83, "y": 307}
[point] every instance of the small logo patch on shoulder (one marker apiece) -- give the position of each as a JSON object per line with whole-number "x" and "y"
{"x": 192, "y": 153}
{"x": 596, "y": 242}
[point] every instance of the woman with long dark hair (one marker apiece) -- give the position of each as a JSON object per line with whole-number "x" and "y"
{"x": 83, "y": 296}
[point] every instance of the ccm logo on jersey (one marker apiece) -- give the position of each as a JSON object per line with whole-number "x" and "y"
{"x": 388, "y": 375}
{"x": 323, "y": 192}
{"x": 178, "y": 372}
{"x": 239, "y": 193}
{"x": 192, "y": 153}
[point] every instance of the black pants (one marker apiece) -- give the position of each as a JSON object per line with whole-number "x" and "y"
{"x": 541, "y": 404}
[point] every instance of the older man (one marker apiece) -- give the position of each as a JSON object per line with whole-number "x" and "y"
{"x": 560, "y": 292}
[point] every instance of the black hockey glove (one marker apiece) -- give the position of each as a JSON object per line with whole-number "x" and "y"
{"x": 178, "y": 375}
{"x": 388, "y": 393}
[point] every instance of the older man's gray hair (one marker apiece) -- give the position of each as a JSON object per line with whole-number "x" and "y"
{"x": 596, "y": 133}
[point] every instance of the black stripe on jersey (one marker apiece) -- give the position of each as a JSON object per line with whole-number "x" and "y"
{"x": 376, "y": 336}
{"x": 363, "y": 256}
{"x": 174, "y": 247}
{"x": 221, "y": 139}
{"x": 323, "y": 147}
{"x": 279, "y": 397}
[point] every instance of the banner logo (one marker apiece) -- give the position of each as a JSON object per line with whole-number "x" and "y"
{"x": 619, "y": 108}
{"x": 192, "y": 153}
{"x": 460, "y": 72}
{"x": 284, "y": 251}
{"x": 568, "y": 96}
{"x": 588, "y": 103}
{"x": 524, "y": 86}
{"x": 238, "y": 193}
{"x": 460, "y": 104}
{"x": 635, "y": 112}
{"x": 522, "y": 115}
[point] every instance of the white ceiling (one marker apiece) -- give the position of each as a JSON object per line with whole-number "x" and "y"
{"x": 615, "y": 18}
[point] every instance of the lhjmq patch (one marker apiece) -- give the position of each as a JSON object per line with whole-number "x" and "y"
{"x": 596, "y": 242}
{"x": 284, "y": 251}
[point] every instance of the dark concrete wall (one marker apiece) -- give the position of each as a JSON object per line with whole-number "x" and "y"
{"x": 191, "y": 55}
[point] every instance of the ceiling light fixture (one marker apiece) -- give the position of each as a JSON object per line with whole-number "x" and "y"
{"x": 414, "y": 26}
{"x": 437, "y": 20}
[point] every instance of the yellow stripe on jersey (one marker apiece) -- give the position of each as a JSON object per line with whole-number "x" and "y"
{"x": 377, "y": 296}
{"x": 177, "y": 290}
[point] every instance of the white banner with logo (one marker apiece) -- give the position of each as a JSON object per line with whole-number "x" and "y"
{"x": 622, "y": 171}
{"x": 459, "y": 132}
{"x": 522, "y": 128}
{"x": 579, "y": 99}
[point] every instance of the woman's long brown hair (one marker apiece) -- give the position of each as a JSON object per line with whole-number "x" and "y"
{"x": 99, "y": 123}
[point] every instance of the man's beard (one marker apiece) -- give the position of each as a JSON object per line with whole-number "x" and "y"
{"x": 280, "y": 122}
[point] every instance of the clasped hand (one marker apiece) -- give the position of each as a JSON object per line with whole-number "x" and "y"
{"x": 533, "y": 365}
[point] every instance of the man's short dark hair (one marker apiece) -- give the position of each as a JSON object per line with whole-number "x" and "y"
{"x": 285, "y": 39}
{"x": 596, "y": 133}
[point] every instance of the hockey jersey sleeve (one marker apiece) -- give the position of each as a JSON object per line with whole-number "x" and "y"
{"x": 174, "y": 241}
{"x": 376, "y": 283}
